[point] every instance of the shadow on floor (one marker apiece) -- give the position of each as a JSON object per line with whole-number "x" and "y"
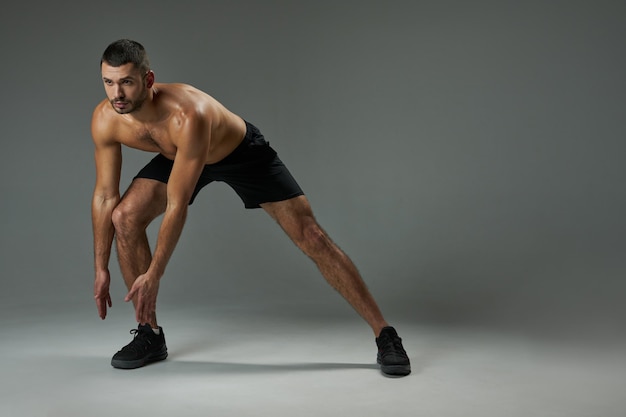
{"x": 188, "y": 367}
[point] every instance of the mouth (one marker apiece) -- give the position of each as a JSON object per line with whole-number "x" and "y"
{"x": 120, "y": 104}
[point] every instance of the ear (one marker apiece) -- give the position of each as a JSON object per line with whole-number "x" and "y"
{"x": 150, "y": 79}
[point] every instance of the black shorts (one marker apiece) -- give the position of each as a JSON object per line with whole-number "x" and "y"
{"x": 253, "y": 170}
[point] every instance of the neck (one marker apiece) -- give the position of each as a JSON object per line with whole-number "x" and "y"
{"x": 148, "y": 112}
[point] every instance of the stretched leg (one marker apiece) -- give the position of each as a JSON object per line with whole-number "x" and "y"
{"x": 296, "y": 218}
{"x": 144, "y": 200}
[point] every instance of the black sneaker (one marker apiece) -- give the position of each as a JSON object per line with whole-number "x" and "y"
{"x": 391, "y": 356}
{"x": 145, "y": 347}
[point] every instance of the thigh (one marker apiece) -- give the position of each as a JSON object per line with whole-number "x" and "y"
{"x": 293, "y": 215}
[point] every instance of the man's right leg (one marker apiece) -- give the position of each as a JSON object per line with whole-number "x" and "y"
{"x": 144, "y": 200}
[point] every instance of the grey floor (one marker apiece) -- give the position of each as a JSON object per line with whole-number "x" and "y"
{"x": 229, "y": 363}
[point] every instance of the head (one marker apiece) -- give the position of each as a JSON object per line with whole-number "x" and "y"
{"x": 126, "y": 75}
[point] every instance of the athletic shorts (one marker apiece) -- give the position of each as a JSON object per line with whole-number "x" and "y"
{"x": 253, "y": 170}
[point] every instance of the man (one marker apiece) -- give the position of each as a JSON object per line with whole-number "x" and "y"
{"x": 197, "y": 141}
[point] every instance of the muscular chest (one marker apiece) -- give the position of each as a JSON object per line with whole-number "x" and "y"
{"x": 151, "y": 140}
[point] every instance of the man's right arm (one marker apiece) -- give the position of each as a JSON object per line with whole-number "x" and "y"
{"x": 106, "y": 195}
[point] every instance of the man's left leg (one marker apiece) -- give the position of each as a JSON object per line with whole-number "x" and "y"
{"x": 296, "y": 218}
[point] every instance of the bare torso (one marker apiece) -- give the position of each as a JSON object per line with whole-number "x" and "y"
{"x": 174, "y": 105}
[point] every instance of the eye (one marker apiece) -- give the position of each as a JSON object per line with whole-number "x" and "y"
{"x": 127, "y": 82}
{"x": 108, "y": 82}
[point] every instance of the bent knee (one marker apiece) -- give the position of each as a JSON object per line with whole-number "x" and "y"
{"x": 120, "y": 217}
{"x": 125, "y": 218}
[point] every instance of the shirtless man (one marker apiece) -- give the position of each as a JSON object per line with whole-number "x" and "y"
{"x": 197, "y": 141}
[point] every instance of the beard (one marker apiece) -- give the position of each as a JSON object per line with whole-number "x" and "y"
{"x": 130, "y": 106}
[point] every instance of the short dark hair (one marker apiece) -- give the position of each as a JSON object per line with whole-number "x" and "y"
{"x": 126, "y": 51}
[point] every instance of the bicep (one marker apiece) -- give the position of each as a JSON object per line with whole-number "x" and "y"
{"x": 189, "y": 161}
{"x": 107, "y": 155}
{"x": 108, "y": 159}
{"x": 186, "y": 171}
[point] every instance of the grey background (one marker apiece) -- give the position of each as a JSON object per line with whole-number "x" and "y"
{"x": 467, "y": 155}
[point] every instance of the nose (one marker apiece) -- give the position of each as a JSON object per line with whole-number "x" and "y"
{"x": 118, "y": 91}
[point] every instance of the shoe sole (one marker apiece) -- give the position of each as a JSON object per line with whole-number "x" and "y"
{"x": 395, "y": 370}
{"x": 155, "y": 357}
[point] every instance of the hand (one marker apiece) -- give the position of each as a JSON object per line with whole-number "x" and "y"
{"x": 101, "y": 292}
{"x": 145, "y": 288}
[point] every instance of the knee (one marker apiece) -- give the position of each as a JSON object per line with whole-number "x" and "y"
{"x": 125, "y": 219}
{"x": 312, "y": 239}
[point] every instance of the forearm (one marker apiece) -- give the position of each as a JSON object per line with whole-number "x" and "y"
{"x": 169, "y": 233}
{"x": 103, "y": 231}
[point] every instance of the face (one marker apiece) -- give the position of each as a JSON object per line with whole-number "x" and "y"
{"x": 126, "y": 87}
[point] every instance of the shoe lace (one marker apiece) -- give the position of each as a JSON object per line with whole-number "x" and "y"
{"x": 393, "y": 344}
{"x": 140, "y": 341}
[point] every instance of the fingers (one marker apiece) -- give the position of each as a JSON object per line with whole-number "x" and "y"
{"x": 145, "y": 309}
{"x": 144, "y": 292}
{"x": 102, "y": 296}
{"x": 131, "y": 293}
{"x": 101, "y": 304}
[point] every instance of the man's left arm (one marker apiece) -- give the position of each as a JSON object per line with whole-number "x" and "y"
{"x": 188, "y": 164}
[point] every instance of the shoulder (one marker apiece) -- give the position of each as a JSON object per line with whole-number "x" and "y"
{"x": 188, "y": 98}
{"x": 102, "y": 123}
{"x": 191, "y": 106}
